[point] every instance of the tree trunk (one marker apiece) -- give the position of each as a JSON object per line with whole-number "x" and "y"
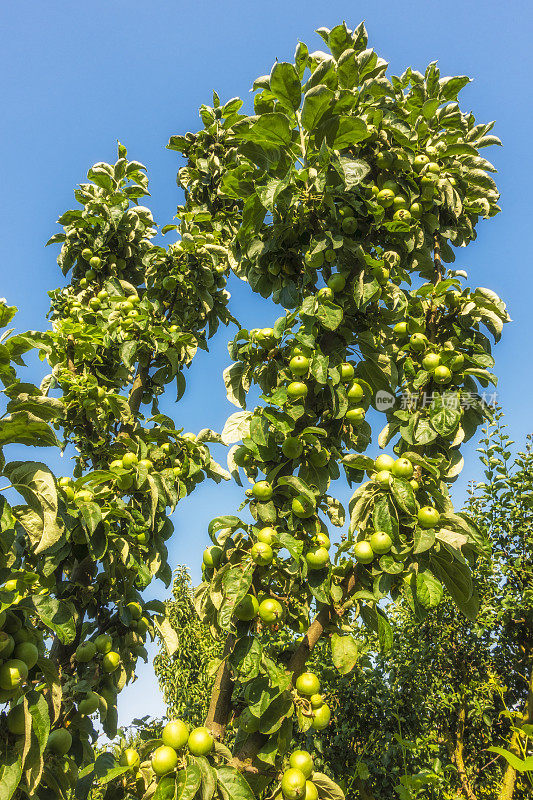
{"x": 509, "y": 776}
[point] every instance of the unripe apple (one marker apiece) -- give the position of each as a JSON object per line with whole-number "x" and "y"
{"x": 262, "y": 554}
{"x": 428, "y": 517}
{"x": 442, "y": 374}
{"x": 363, "y": 552}
{"x": 380, "y": 542}
{"x": 431, "y": 361}
{"x": 355, "y": 416}
{"x": 247, "y": 608}
{"x": 384, "y": 461}
{"x": 355, "y": 393}
{"x": 347, "y": 372}
{"x": 385, "y": 197}
{"x": 299, "y": 365}
{"x": 418, "y": 341}
{"x": 270, "y": 611}
{"x": 402, "y": 468}
{"x": 400, "y": 329}
{"x": 337, "y": 282}
{"x": 267, "y": 535}
{"x": 296, "y": 390}
{"x": 292, "y": 447}
{"x": 420, "y": 162}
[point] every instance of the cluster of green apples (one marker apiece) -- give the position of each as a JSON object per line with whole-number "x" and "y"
{"x": 299, "y": 365}
{"x": 176, "y": 737}
{"x": 296, "y": 781}
{"x": 307, "y": 685}
{"x": 99, "y": 649}
{"x": 442, "y": 363}
{"x": 419, "y": 178}
{"x": 169, "y": 458}
{"x": 20, "y": 649}
{"x": 386, "y": 467}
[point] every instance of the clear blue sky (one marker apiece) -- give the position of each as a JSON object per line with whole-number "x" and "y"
{"x": 78, "y": 76}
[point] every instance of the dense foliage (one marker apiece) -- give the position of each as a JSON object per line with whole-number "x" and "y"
{"x": 341, "y": 198}
{"x": 421, "y": 719}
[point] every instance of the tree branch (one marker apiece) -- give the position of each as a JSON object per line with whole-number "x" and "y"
{"x": 220, "y": 704}
{"x": 327, "y": 615}
{"x": 458, "y": 755}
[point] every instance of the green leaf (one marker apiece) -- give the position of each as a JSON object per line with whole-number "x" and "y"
{"x": 423, "y": 540}
{"x": 209, "y": 778}
{"x": 293, "y": 545}
{"x": 236, "y": 383}
{"x": 451, "y": 569}
{"x": 271, "y": 129}
{"x": 329, "y": 314}
{"x": 187, "y": 781}
{"x": 232, "y": 785}
{"x": 91, "y": 515}
{"x": 6, "y": 314}
{"x": 327, "y": 789}
{"x": 459, "y": 149}
{"x": 316, "y": 101}
{"x": 285, "y": 85}
{"x": 382, "y": 517}
{"x": 237, "y": 427}
{"x": 450, "y": 87}
{"x": 385, "y": 635}
{"x": 236, "y": 582}
{"x": 165, "y": 788}
{"x": 520, "y": 764}
{"x": 428, "y": 590}
{"x": 344, "y": 132}
{"x": 40, "y": 729}
{"x": 351, "y": 170}
{"x": 10, "y": 775}
{"x": 58, "y": 615}
{"x": 445, "y": 412}
{"x": 168, "y": 634}
{"x": 404, "y": 495}
{"x": 299, "y": 486}
{"x": 271, "y": 720}
{"x": 344, "y": 653}
{"x": 429, "y": 108}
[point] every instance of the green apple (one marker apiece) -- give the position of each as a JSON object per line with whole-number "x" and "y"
{"x": 380, "y": 542}
{"x": 363, "y": 552}
{"x": 428, "y": 517}
{"x": 402, "y": 468}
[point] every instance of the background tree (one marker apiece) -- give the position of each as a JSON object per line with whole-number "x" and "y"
{"x": 185, "y": 676}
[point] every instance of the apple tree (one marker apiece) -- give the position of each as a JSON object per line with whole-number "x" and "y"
{"x": 342, "y": 198}
{"x": 79, "y": 550}
{"x": 350, "y": 191}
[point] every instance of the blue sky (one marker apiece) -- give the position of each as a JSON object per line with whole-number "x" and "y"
{"x": 78, "y": 76}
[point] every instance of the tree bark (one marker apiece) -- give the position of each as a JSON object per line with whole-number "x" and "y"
{"x": 220, "y": 703}
{"x": 509, "y": 776}
{"x": 458, "y": 755}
